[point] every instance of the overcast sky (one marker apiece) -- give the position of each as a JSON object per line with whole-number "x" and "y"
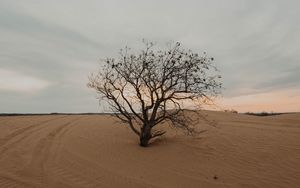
{"x": 48, "y": 48}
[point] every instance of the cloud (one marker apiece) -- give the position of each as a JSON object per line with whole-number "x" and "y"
{"x": 255, "y": 43}
{"x": 21, "y": 83}
{"x": 287, "y": 100}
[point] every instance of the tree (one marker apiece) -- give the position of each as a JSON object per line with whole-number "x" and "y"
{"x": 146, "y": 89}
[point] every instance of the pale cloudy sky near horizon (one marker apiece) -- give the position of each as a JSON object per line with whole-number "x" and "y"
{"x": 48, "y": 48}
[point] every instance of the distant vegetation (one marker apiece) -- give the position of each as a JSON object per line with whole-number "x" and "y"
{"x": 231, "y": 111}
{"x": 43, "y": 114}
{"x": 263, "y": 113}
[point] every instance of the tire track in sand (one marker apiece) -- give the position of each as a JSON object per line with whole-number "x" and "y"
{"x": 23, "y": 133}
{"x": 36, "y": 168}
{"x": 8, "y": 182}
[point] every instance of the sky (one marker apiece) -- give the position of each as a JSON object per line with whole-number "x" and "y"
{"x": 48, "y": 48}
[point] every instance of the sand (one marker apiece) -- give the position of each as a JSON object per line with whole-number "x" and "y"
{"x": 95, "y": 151}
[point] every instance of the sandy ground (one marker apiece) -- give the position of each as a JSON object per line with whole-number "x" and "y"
{"x": 94, "y": 151}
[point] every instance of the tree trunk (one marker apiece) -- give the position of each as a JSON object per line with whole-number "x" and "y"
{"x": 145, "y": 135}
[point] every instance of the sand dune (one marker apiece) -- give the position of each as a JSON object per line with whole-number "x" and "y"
{"x": 95, "y": 151}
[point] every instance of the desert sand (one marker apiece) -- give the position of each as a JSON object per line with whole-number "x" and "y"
{"x": 96, "y": 151}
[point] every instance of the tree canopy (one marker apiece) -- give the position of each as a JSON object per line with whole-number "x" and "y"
{"x": 151, "y": 87}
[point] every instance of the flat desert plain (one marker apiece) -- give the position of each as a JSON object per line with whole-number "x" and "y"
{"x": 96, "y": 151}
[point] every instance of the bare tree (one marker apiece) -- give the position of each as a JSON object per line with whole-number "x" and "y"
{"x": 151, "y": 87}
